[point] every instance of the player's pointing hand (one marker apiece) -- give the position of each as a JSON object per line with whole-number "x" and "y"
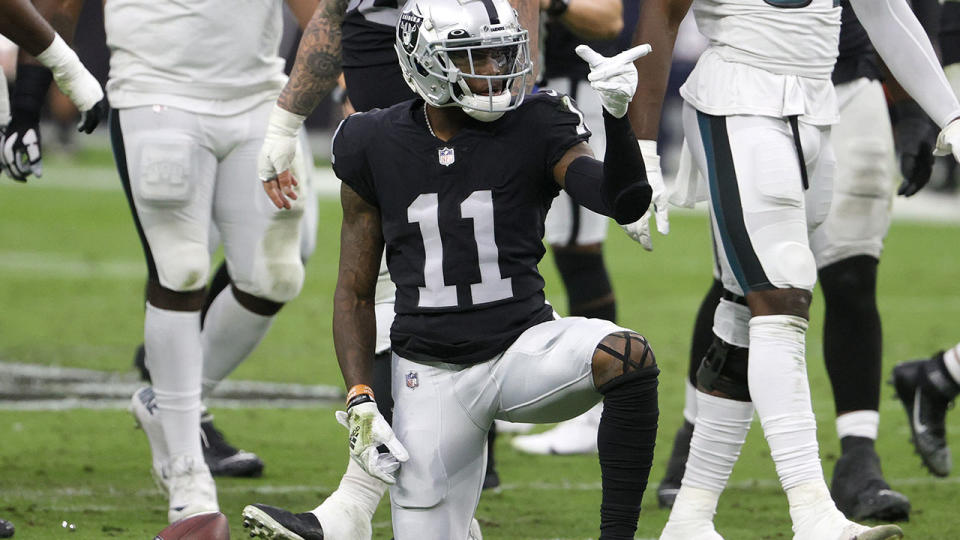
{"x": 614, "y": 78}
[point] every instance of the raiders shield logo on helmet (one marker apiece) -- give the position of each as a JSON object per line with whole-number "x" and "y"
{"x": 408, "y": 28}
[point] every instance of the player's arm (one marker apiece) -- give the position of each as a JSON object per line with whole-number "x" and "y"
{"x": 314, "y": 75}
{"x": 303, "y": 11}
{"x": 617, "y": 186}
{"x": 589, "y": 19}
{"x": 906, "y": 50}
{"x": 528, "y": 14}
{"x": 354, "y": 337}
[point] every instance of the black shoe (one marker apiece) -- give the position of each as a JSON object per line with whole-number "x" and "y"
{"x": 670, "y": 485}
{"x": 491, "y": 479}
{"x": 140, "y": 362}
{"x": 6, "y": 529}
{"x": 858, "y": 486}
{"x": 222, "y": 458}
{"x": 917, "y": 385}
{"x": 272, "y": 523}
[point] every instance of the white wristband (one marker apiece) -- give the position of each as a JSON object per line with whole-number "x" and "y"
{"x": 284, "y": 122}
{"x": 58, "y": 56}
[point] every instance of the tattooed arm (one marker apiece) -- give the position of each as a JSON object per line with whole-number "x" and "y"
{"x": 528, "y": 13}
{"x": 317, "y": 66}
{"x": 354, "y": 321}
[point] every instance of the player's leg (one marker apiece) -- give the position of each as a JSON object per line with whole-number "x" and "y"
{"x": 168, "y": 178}
{"x": 560, "y": 368}
{"x": 576, "y": 237}
{"x": 699, "y": 344}
{"x": 441, "y": 415}
{"x": 262, "y": 248}
{"x": 927, "y": 387}
{"x": 847, "y": 249}
{"x": 761, "y": 211}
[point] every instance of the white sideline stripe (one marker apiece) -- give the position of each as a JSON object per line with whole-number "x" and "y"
{"x": 46, "y": 265}
{"x": 271, "y": 489}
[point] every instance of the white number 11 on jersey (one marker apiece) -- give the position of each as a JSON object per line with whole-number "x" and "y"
{"x": 478, "y": 207}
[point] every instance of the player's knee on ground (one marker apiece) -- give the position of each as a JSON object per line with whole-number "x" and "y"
{"x": 620, "y": 354}
{"x": 723, "y": 372}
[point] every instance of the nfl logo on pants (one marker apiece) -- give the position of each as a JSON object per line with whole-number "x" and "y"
{"x": 412, "y": 380}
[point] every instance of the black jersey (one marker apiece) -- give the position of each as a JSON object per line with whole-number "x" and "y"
{"x": 857, "y": 56}
{"x": 369, "y": 28}
{"x": 462, "y": 219}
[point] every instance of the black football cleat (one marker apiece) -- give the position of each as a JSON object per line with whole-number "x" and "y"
{"x": 923, "y": 389}
{"x": 6, "y": 529}
{"x": 272, "y": 523}
{"x": 491, "y": 480}
{"x": 858, "y": 486}
{"x": 676, "y": 466}
{"x": 224, "y": 459}
{"x": 140, "y": 363}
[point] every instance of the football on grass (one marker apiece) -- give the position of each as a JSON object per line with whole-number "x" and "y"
{"x": 210, "y": 526}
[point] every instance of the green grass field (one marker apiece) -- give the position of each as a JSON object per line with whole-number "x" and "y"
{"x": 71, "y": 282}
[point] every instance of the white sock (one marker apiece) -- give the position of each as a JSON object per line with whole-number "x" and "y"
{"x": 694, "y": 504}
{"x": 951, "y": 359}
{"x": 777, "y": 376}
{"x": 721, "y": 429}
{"x": 172, "y": 342}
{"x": 813, "y": 511}
{"x": 863, "y": 423}
{"x": 357, "y": 489}
{"x": 230, "y": 333}
{"x": 690, "y": 402}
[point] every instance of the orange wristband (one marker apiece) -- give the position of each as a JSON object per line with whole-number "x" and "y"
{"x": 357, "y": 390}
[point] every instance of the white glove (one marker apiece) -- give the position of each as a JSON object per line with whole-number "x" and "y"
{"x": 614, "y": 78}
{"x": 948, "y": 142}
{"x": 277, "y": 156}
{"x": 368, "y": 429}
{"x": 73, "y": 79}
{"x": 640, "y": 230}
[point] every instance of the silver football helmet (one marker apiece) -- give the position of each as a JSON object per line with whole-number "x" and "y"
{"x": 445, "y": 46}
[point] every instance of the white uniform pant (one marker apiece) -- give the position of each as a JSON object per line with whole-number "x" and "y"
{"x": 567, "y": 223}
{"x": 442, "y": 413}
{"x": 865, "y": 181}
{"x": 186, "y": 170}
{"x": 761, "y": 214}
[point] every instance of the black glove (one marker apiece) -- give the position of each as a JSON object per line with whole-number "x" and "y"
{"x": 89, "y": 120}
{"x": 915, "y": 137}
{"x": 20, "y": 155}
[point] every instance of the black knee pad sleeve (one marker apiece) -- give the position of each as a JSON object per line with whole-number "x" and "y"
{"x": 724, "y": 370}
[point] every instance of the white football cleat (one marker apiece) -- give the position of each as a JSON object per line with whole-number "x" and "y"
{"x": 832, "y": 525}
{"x": 575, "y": 436}
{"x": 190, "y": 487}
{"x": 474, "y": 532}
{"x": 143, "y": 407}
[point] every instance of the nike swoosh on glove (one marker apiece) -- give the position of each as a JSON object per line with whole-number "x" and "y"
{"x": 614, "y": 78}
{"x": 639, "y": 230}
{"x": 368, "y": 430}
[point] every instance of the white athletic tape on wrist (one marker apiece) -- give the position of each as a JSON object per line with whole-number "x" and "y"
{"x": 285, "y": 122}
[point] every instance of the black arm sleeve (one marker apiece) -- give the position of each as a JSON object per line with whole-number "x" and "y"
{"x": 617, "y": 187}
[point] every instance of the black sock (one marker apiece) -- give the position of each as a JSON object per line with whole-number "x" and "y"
{"x": 219, "y": 282}
{"x": 587, "y": 283}
{"x": 628, "y": 432}
{"x": 852, "y": 443}
{"x": 703, "y": 329}
{"x": 852, "y": 335}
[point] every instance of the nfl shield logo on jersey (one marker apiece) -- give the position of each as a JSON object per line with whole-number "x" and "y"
{"x": 446, "y": 156}
{"x": 412, "y": 380}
